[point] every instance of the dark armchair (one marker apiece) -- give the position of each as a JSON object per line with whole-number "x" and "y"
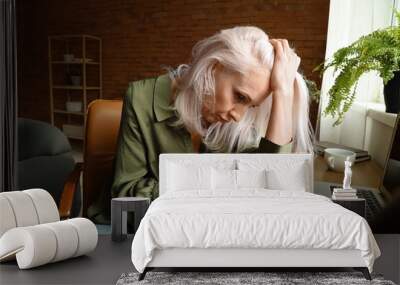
{"x": 45, "y": 161}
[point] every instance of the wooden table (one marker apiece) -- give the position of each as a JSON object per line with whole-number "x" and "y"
{"x": 366, "y": 173}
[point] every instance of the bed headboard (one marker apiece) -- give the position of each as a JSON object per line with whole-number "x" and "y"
{"x": 232, "y": 160}
{"x": 217, "y": 159}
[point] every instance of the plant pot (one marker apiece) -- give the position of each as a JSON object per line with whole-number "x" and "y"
{"x": 68, "y": 57}
{"x": 391, "y": 92}
{"x": 75, "y": 80}
{"x": 73, "y": 106}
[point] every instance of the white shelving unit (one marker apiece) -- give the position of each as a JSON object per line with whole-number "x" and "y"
{"x": 86, "y": 51}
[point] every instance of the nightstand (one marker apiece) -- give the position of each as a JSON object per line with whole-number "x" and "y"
{"x": 357, "y": 205}
{"x": 119, "y": 208}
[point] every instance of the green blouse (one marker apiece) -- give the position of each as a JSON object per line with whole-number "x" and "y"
{"x": 144, "y": 134}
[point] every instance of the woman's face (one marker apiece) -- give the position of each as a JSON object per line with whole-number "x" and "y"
{"x": 234, "y": 94}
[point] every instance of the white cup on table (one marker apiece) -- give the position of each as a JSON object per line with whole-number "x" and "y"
{"x": 335, "y": 158}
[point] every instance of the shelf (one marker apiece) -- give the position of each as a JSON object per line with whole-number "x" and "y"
{"x": 75, "y": 62}
{"x": 75, "y": 138}
{"x": 86, "y": 63}
{"x": 72, "y": 87}
{"x": 64, "y": 37}
{"x": 74, "y": 131}
{"x": 67, "y": 112}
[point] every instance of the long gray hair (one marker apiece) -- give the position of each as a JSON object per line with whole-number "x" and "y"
{"x": 237, "y": 49}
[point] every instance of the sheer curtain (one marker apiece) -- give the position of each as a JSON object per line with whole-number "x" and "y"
{"x": 349, "y": 20}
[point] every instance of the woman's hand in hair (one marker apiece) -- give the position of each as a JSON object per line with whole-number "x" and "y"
{"x": 283, "y": 74}
{"x": 286, "y": 63}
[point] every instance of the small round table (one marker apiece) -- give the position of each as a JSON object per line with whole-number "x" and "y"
{"x": 119, "y": 208}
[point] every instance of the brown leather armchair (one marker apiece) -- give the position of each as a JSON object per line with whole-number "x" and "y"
{"x": 100, "y": 144}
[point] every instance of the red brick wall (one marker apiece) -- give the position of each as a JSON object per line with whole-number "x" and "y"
{"x": 139, "y": 36}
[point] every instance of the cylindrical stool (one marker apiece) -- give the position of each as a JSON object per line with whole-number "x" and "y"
{"x": 119, "y": 209}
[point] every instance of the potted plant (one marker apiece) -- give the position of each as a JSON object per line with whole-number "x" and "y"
{"x": 378, "y": 51}
{"x": 313, "y": 90}
{"x": 74, "y": 77}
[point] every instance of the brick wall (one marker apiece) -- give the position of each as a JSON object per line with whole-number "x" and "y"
{"x": 139, "y": 36}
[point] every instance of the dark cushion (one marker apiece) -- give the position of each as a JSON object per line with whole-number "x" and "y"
{"x": 37, "y": 138}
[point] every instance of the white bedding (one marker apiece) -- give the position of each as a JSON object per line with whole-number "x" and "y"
{"x": 251, "y": 218}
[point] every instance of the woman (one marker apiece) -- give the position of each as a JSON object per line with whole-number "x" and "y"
{"x": 241, "y": 93}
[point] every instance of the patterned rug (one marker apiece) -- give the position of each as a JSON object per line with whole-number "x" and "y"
{"x": 243, "y": 278}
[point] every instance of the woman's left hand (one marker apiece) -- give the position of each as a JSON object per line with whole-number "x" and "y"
{"x": 286, "y": 63}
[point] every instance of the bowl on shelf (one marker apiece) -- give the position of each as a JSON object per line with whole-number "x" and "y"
{"x": 68, "y": 57}
{"x": 73, "y": 106}
{"x": 75, "y": 131}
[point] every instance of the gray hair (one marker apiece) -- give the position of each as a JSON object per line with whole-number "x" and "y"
{"x": 237, "y": 49}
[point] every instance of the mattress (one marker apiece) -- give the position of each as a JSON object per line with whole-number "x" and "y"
{"x": 250, "y": 218}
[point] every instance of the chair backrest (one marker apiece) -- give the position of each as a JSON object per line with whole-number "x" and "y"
{"x": 101, "y": 137}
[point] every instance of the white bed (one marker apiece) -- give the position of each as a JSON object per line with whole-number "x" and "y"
{"x": 269, "y": 217}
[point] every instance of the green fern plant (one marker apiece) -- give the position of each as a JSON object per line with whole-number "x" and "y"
{"x": 378, "y": 51}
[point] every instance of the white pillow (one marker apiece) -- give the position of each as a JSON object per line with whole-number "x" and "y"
{"x": 224, "y": 179}
{"x": 230, "y": 179}
{"x": 294, "y": 179}
{"x": 251, "y": 178}
{"x": 271, "y": 161}
{"x": 182, "y": 177}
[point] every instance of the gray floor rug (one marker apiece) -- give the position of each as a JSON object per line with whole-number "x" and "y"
{"x": 230, "y": 278}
